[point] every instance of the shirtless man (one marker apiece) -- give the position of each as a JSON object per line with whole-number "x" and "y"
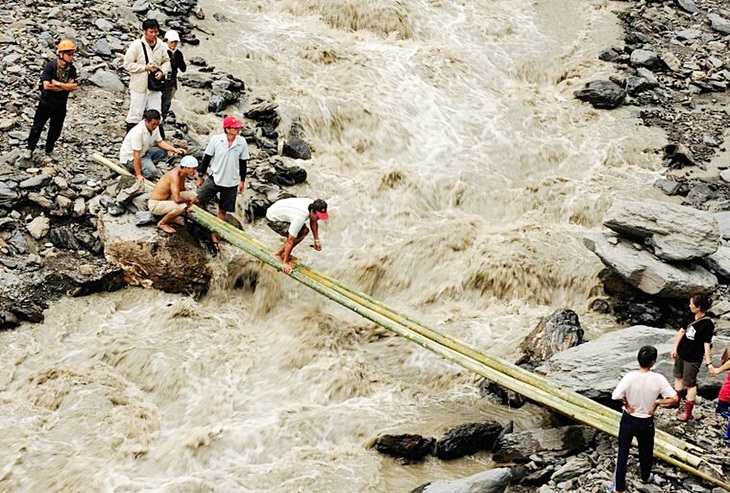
{"x": 169, "y": 198}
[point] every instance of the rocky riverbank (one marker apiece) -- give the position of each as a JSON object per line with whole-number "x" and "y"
{"x": 50, "y": 245}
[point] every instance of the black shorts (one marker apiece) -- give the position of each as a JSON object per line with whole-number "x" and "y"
{"x": 227, "y": 195}
{"x": 282, "y": 228}
{"x": 687, "y": 371}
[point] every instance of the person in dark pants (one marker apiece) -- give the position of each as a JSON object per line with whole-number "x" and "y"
{"x": 639, "y": 392}
{"x": 177, "y": 60}
{"x": 58, "y": 80}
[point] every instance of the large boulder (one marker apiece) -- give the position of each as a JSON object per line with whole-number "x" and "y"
{"x": 719, "y": 262}
{"x": 467, "y": 439}
{"x": 566, "y": 440}
{"x": 641, "y": 269}
{"x": 676, "y": 232}
{"x": 558, "y": 332}
{"x": 174, "y": 263}
{"x": 408, "y": 447}
{"x": 594, "y": 368}
{"x": 491, "y": 481}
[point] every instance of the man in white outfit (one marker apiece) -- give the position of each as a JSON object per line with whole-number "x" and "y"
{"x": 138, "y": 65}
{"x": 287, "y": 218}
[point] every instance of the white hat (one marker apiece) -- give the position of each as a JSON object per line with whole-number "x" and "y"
{"x": 189, "y": 162}
{"x": 172, "y": 36}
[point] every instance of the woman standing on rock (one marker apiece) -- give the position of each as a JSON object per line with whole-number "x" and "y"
{"x": 691, "y": 344}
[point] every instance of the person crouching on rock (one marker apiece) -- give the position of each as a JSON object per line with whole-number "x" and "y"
{"x": 169, "y": 198}
{"x": 638, "y": 391}
{"x": 138, "y": 153}
{"x": 58, "y": 80}
{"x": 287, "y": 218}
{"x": 691, "y": 344}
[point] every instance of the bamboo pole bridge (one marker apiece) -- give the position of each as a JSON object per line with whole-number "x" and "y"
{"x": 539, "y": 389}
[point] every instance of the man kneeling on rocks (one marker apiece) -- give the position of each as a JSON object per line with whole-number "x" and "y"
{"x": 169, "y": 198}
{"x": 137, "y": 152}
{"x": 640, "y": 391}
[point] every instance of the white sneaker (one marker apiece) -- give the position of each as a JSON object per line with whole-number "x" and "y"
{"x": 27, "y": 154}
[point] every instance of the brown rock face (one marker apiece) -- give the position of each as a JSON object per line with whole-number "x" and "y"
{"x": 153, "y": 259}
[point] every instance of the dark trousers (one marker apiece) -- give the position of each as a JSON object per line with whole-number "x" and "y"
{"x": 643, "y": 430}
{"x": 44, "y": 113}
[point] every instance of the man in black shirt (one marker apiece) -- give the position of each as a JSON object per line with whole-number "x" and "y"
{"x": 58, "y": 80}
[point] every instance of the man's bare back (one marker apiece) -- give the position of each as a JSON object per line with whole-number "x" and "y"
{"x": 164, "y": 188}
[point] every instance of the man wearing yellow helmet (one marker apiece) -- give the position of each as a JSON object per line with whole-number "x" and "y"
{"x": 58, "y": 80}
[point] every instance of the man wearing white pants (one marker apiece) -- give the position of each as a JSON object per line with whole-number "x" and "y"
{"x": 138, "y": 65}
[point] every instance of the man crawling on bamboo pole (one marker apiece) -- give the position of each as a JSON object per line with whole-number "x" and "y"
{"x": 169, "y": 198}
{"x": 287, "y": 218}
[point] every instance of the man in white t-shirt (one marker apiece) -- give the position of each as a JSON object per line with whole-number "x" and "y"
{"x": 639, "y": 392}
{"x": 287, "y": 218}
{"x": 137, "y": 152}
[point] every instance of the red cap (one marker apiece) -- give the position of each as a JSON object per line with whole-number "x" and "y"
{"x": 319, "y": 207}
{"x": 322, "y": 215}
{"x": 232, "y": 122}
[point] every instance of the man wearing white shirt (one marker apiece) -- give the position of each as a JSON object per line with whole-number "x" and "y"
{"x": 287, "y": 218}
{"x": 137, "y": 152}
{"x": 639, "y": 392}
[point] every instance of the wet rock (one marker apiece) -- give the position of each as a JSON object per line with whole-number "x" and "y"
{"x": 518, "y": 447}
{"x": 676, "y": 232}
{"x": 643, "y": 270}
{"x": 409, "y": 447}
{"x": 501, "y": 395}
{"x": 296, "y": 148}
{"x": 557, "y": 332}
{"x": 467, "y": 439}
{"x": 491, "y": 481}
{"x": 174, "y": 263}
{"x": 601, "y": 94}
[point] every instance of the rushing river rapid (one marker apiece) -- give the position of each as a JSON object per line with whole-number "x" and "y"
{"x": 461, "y": 176}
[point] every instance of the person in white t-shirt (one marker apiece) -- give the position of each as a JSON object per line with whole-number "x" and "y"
{"x": 287, "y": 218}
{"x": 143, "y": 147}
{"x": 639, "y": 392}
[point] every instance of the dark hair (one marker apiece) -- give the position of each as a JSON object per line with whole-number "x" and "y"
{"x": 150, "y": 24}
{"x": 702, "y": 301}
{"x": 647, "y": 356}
{"x": 318, "y": 205}
{"x": 152, "y": 115}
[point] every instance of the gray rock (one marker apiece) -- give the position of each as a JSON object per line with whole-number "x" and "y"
{"x": 518, "y": 447}
{"x": 194, "y": 80}
{"x": 18, "y": 242}
{"x": 40, "y": 200}
{"x": 676, "y": 232}
{"x": 669, "y": 187}
{"x": 102, "y": 48}
{"x": 467, "y": 439}
{"x": 79, "y": 207}
{"x": 586, "y": 369}
{"x": 557, "y": 332}
{"x": 8, "y": 197}
{"x": 140, "y": 6}
{"x": 143, "y": 218}
{"x": 491, "y": 481}
{"x": 723, "y": 222}
{"x": 296, "y": 148}
{"x": 719, "y": 262}
{"x": 410, "y": 447}
{"x": 645, "y": 58}
{"x": 601, "y": 94}
{"x": 648, "y": 75}
{"x": 671, "y": 61}
{"x": 575, "y": 467}
{"x": 719, "y": 23}
{"x": 689, "y": 6}
{"x": 104, "y": 25}
{"x": 688, "y": 34}
{"x": 646, "y": 272}
{"x": 636, "y": 85}
{"x": 108, "y": 81}
{"x": 35, "y": 182}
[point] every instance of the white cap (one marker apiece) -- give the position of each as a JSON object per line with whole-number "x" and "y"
{"x": 189, "y": 162}
{"x": 172, "y": 36}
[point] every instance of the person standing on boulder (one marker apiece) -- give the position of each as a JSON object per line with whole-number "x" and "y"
{"x": 138, "y": 153}
{"x": 691, "y": 345}
{"x": 227, "y": 154}
{"x": 287, "y": 218}
{"x": 58, "y": 80}
{"x": 145, "y": 56}
{"x": 639, "y": 392}
{"x": 169, "y": 197}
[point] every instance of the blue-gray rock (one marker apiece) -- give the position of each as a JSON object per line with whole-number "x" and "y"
{"x": 719, "y": 23}
{"x": 667, "y": 186}
{"x": 297, "y": 148}
{"x": 35, "y": 182}
{"x": 104, "y": 25}
{"x": 645, "y": 58}
{"x": 140, "y": 6}
{"x": 143, "y": 218}
{"x": 491, "y": 481}
{"x": 19, "y": 242}
{"x": 719, "y": 262}
{"x": 648, "y": 75}
{"x": 699, "y": 194}
{"x": 688, "y": 6}
{"x": 108, "y": 81}
{"x": 102, "y": 48}
{"x": 636, "y": 85}
{"x": 601, "y": 94}
{"x": 688, "y": 34}
{"x": 8, "y": 197}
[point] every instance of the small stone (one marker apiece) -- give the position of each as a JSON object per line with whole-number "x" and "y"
{"x": 39, "y": 227}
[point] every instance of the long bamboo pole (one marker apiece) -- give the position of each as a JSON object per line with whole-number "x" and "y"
{"x": 501, "y": 372}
